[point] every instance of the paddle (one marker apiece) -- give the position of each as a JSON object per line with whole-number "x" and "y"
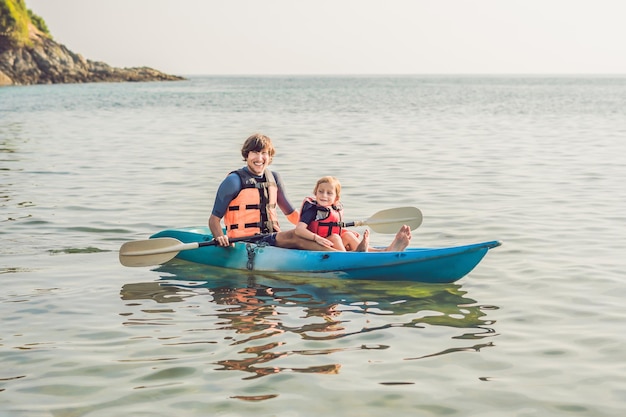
{"x": 390, "y": 220}
{"x": 160, "y": 250}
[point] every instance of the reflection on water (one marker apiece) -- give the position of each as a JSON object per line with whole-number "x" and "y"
{"x": 263, "y": 313}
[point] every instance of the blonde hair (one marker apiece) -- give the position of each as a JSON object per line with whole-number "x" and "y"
{"x": 329, "y": 180}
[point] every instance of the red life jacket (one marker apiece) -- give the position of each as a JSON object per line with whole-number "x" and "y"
{"x": 328, "y": 220}
{"x": 253, "y": 210}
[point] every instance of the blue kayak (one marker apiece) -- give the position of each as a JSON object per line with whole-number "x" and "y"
{"x": 429, "y": 265}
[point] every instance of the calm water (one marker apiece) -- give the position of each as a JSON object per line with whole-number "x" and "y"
{"x": 538, "y": 328}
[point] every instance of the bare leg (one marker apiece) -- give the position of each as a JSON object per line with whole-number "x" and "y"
{"x": 350, "y": 240}
{"x": 289, "y": 240}
{"x": 337, "y": 242}
{"x": 401, "y": 241}
{"x": 365, "y": 242}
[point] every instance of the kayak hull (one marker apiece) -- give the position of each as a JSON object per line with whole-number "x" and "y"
{"x": 429, "y": 265}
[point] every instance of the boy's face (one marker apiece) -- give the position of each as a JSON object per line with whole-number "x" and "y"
{"x": 325, "y": 194}
{"x": 257, "y": 161}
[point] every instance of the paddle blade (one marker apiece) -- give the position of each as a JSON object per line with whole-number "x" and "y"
{"x": 151, "y": 251}
{"x": 160, "y": 250}
{"x": 391, "y": 220}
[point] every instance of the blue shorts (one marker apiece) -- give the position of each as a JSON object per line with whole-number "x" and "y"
{"x": 269, "y": 239}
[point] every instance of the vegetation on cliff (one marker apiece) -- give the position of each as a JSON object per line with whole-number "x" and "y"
{"x": 15, "y": 20}
{"x": 29, "y": 55}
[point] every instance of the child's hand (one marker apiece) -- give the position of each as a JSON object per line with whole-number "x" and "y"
{"x": 323, "y": 241}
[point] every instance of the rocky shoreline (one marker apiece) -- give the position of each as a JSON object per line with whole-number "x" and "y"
{"x": 45, "y": 61}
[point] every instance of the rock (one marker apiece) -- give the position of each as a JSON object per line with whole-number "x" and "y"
{"x": 44, "y": 61}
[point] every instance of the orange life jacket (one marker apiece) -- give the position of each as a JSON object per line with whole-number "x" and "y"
{"x": 253, "y": 210}
{"x": 328, "y": 220}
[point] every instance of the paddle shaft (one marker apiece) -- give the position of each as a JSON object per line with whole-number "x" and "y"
{"x": 177, "y": 247}
{"x": 160, "y": 250}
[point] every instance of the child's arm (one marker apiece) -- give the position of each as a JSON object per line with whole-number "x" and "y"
{"x": 303, "y": 232}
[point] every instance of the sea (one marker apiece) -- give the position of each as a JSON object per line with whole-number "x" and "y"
{"x": 538, "y": 328}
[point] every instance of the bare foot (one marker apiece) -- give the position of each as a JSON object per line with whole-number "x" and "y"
{"x": 403, "y": 237}
{"x": 365, "y": 242}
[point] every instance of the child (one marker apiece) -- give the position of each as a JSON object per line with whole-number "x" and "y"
{"x": 321, "y": 220}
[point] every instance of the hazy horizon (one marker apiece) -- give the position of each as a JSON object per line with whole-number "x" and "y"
{"x": 346, "y": 37}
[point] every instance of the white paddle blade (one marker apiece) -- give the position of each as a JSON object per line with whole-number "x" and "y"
{"x": 391, "y": 220}
{"x": 151, "y": 252}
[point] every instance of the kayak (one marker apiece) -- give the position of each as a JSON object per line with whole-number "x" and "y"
{"x": 428, "y": 265}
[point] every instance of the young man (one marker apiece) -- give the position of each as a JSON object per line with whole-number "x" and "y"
{"x": 247, "y": 201}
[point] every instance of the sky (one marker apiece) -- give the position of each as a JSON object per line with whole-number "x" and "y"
{"x": 293, "y": 37}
